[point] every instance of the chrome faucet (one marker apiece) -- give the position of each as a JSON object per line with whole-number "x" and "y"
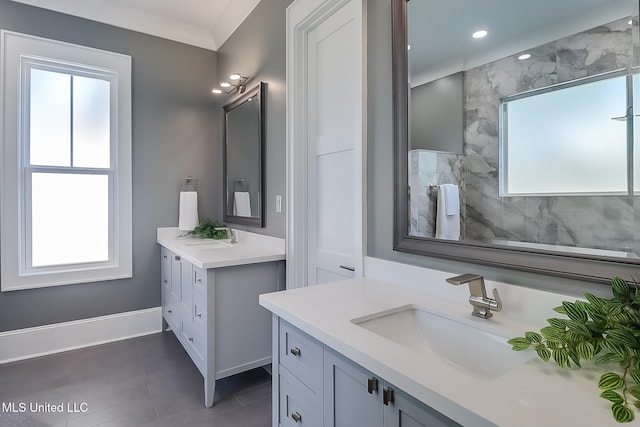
{"x": 231, "y": 235}
{"x": 482, "y": 305}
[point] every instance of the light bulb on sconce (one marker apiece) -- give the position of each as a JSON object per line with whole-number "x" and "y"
{"x": 238, "y": 85}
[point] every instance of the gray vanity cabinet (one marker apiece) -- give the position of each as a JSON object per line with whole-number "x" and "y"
{"x": 317, "y": 386}
{"x": 215, "y": 314}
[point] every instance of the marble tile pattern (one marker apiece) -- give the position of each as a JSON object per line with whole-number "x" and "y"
{"x": 601, "y": 222}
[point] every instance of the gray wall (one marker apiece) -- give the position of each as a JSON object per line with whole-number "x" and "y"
{"x": 257, "y": 49}
{"x": 436, "y": 115}
{"x": 175, "y": 133}
{"x": 380, "y": 172}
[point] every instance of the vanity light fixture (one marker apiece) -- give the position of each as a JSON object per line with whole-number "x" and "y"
{"x": 479, "y": 34}
{"x": 238, "y": 85}
{"x": 524, "y": 56}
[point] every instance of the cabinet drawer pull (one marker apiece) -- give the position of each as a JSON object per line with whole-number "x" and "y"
{"x": 372, "y": 385}
{"x": 296, "y": 417}
{"x": 347, "y": 267}
{"x": 295, "y": 351}
{"x": 387, "y": 395}
{"x": 169, "y": 311}
{"x": 190, "y": 339}
{"x": 199, "y": 315}
{"x": 177, "y": 258}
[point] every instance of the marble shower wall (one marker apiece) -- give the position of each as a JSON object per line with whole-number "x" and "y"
{"x": 607, "y": 222}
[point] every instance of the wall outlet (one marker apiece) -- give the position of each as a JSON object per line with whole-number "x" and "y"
{"x": 278, "y": 204}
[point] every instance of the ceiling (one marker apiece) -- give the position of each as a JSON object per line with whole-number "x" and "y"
{"x": 202, "y": 23}
{"x": 440, "y": 30}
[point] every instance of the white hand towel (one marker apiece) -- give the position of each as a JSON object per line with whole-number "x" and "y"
{"x": 452, "y": 199}
{"x": 448, "y": 225}
{"x": 241, "y": 203}
{"x": 188, "y": 216}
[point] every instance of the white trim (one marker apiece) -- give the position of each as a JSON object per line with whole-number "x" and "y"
{"x": 42, "y": 340}
{"x": 15, "y": 47}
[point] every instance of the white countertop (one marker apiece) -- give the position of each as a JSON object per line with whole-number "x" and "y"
{"x": 532, "y": 394}
{"x": 251, "y": 248}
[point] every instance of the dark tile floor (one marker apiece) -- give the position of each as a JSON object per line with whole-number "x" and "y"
{"x": 146, "y": 381}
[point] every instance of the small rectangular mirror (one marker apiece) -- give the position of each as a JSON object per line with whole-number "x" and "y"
{"x": 243, "y": 158}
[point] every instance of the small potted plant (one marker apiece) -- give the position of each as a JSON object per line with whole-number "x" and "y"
{"x": 602, "y": 330}
{"x": 208, "y": 229}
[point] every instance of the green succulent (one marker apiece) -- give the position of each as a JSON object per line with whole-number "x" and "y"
{"x": 208, "y": 229}
{"x": 599, "y": 329}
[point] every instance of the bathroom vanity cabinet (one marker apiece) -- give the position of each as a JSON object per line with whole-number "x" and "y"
{"x": 413, "y": 369}
{"x": 317, "y": 386}
{"x": 210, "y": 302}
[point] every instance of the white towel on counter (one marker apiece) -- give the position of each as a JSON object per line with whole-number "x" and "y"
{"x": 188, "y": 215}
{"x": 448, "y": 212}
{"x": 241, "y": 203}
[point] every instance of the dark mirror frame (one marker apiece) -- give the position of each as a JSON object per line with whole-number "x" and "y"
{"x": 255, "y": 221}
{"x": 582, "y": 267}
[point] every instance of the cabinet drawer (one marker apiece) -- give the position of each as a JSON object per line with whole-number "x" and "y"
{"x": 195, "y": 343}
{"x": 301, "y": 355}
{"x": 171, "y": 311}
{"x": 298, "y": 405}
{"x": 199, "y": 281}
{"x": 199, "y": 314}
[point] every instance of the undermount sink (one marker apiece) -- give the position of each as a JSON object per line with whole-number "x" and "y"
{"x": 464, "y": 346}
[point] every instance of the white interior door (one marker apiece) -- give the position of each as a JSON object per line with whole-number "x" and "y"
{"x": 335, "y": 154}
{"x": 325, "y": 134}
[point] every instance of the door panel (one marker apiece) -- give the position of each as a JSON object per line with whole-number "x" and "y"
{"x": 335, "y": 150}
{"x": 347, "y": 400}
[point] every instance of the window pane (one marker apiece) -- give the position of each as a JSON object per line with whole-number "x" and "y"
{"x": 563, "y": 142}
{"x": 49, "y": 114}
{"x": 70, "y": 218}
{"x": 91, "y": 122}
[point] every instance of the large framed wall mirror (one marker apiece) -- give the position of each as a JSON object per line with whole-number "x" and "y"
{"x": 516, "y": 146}
{"x": 243, "y": 158}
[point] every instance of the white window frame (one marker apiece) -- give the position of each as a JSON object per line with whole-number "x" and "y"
{"x": 18, "y": 54}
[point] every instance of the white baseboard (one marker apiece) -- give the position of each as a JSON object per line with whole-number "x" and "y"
{"x": 42, "y": 340}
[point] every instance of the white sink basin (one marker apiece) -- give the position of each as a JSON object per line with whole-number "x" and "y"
{"x": 464, "y": 346}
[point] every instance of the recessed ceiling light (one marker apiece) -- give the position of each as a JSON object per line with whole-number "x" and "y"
{"x": 225, "y": 84}
{"x": 524, "y": 56}
{"x": 479, "y": 34}
{"x": 216, "y": 91}
{"x": 235, "y": 76}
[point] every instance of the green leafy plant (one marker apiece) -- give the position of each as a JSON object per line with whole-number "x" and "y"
{"x": 208, "y": 229}
{"x": 603, "y": 330}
